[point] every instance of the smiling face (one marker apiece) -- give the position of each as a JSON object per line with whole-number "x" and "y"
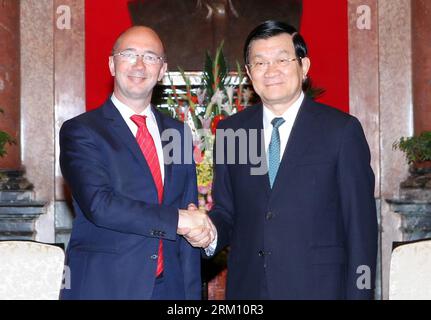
{"x": 134, "y": 82}
{"x": 279, "y": 85}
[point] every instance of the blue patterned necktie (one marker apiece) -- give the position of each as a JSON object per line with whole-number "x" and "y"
{"x": 274, "y": 150}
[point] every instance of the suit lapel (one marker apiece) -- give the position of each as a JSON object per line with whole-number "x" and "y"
{"x": 256, "y": 122}
{"x": 162, "y": 125}
{"x": 119, "y": 126}
{"x": 300, "y": 137}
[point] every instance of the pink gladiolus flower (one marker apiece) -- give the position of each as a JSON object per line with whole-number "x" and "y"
{"x": 208, "y": 206}
{"x": 209, "y": 198}
{"x": 197, "y": 155}
{"x": 203, "y": 189}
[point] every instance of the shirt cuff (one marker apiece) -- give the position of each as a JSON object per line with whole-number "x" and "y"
{"x": 209, "y": 251}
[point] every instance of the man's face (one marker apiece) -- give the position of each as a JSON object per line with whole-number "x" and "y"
{"x": 276, "y": 80}
{"x": 134, "y": 81}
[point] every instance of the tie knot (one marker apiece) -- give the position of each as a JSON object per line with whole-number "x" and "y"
{"x": 139, "y": 120}
{"x": 277, "y": 122}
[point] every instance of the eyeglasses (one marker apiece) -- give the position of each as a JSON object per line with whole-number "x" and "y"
{"x": 132, "y": 58}
{"x": 263, "y": 65}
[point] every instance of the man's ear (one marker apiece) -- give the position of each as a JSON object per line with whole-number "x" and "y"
{"x": 111, "y": 66}
{"x": 247, "y": 69}
{"x": 162, "y": 71}
{"x": 306, "y": 63}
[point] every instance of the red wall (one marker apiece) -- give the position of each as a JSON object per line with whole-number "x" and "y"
{"x": 324, "y": 27}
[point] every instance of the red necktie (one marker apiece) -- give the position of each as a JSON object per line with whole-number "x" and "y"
{"x": 148, "y": 148}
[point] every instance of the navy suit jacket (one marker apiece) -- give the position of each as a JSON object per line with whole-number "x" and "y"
{"x": 112, "y": 253}
{"x": 315, "y": 233}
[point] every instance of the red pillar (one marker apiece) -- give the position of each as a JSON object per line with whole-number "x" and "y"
{"x": 421, "y": 30}
{"x": 10, "y": 79}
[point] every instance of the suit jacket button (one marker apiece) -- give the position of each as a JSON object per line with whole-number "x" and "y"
{"x": 154, "y": 256}
{"x": 269, "y": 215}
{"x": 261, "y": 253}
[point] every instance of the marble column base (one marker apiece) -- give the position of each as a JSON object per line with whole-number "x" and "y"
{"x": 18, "y": 210}
{"x": 415, "y": 216}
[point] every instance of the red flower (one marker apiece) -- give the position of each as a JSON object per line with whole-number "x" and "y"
{"x": 215, "y": 122}
{"x": 194, "y": 99}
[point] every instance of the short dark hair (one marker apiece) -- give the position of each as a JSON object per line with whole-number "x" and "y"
{"x": 271, "y": 28}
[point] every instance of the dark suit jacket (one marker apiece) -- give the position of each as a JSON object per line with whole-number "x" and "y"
{"x": 112, "y": 253}
{"x": 305, "y": 238}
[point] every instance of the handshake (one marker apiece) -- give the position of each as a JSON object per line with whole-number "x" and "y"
{"x": 196, "y": 227}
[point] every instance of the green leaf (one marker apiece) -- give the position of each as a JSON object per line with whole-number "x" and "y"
{"x": 221, "y": 67}
{"x": 240, "y": 73}
{"x": 208, "y": 76}
{"x": 5, "y": 138}
{"x": 416, "y": 148}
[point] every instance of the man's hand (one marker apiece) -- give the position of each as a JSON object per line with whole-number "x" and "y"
{"x": 196, "y": 227}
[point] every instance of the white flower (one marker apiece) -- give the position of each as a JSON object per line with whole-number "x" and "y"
{"x": 206, "y": 122}
{"x": 201, "y": 95}
{"x": 218, "y": 97}
{"x": 226, "y": 107}
{"x": 230, "y": 91}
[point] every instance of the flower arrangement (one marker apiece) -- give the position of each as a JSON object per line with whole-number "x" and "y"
{"x": 219, "y": 94}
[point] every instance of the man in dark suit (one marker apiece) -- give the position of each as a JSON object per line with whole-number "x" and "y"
{"x": 127, "y": 194}
{"x": 307, "y": 227}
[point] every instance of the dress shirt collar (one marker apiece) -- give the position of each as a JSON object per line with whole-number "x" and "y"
{"x": 289, "y": 115}
{"x": 127, "y": 112}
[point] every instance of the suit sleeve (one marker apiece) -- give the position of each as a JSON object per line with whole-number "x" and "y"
{"x": 222, "y": 211}
{"x": 356, "y": 185}
{"x": 85, "y": 169}
{"x": 190, "y": 256}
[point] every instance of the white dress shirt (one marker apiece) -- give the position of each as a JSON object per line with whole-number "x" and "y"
{"x": 152, "y": 126}
{"x": 285, "y": 129}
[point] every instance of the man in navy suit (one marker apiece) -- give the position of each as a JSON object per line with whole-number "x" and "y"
{"x": 129, "y": 199}
{"x": 307, "y": 227}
